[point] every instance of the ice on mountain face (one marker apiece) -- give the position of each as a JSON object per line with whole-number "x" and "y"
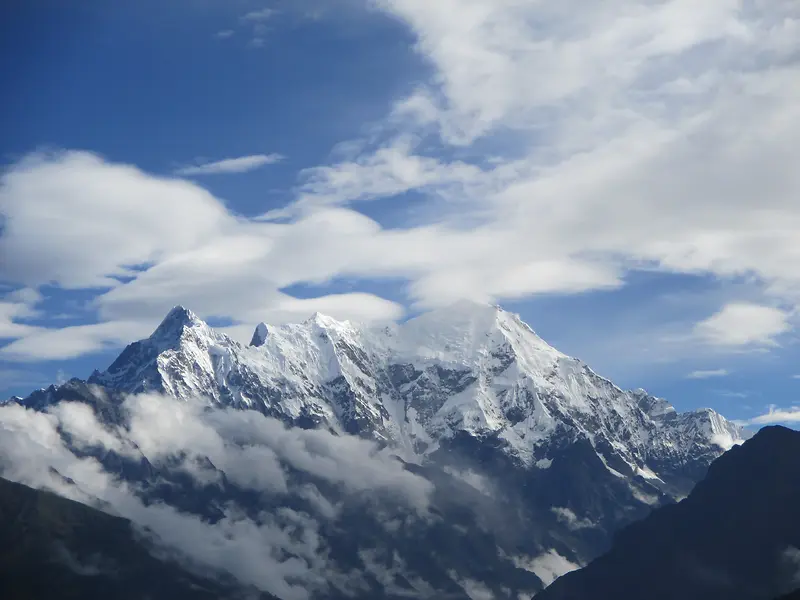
{"x": 469, "y": 368}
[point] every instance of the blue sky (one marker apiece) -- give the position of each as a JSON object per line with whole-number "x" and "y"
{"x": 623, "y": 179}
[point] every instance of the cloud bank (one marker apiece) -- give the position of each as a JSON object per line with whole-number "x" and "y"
{"x": 279, "y": 550}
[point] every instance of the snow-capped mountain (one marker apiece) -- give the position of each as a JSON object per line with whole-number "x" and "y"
{"x": 469, "y": 369}
{"x": 531, "y": 461}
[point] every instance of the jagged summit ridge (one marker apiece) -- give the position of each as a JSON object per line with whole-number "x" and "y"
{"x": 469, "y": 368}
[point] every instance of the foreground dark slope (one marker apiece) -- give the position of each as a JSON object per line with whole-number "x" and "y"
{"x": 732, "y": 538}
{"x": 51, "y": 547}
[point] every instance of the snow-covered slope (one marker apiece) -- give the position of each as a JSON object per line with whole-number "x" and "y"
{"x": 469, "y": 369}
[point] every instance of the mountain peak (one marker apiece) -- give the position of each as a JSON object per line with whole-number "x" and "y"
{"x": 176, "y": 320}
{"x": 325, "y": 321}
{"x": 179, "y": 315}
{"x": 259, "y": 335}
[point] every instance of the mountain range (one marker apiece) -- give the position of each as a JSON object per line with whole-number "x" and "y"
{"x": 531, "y": 462}
{"x": 469, "y": 369}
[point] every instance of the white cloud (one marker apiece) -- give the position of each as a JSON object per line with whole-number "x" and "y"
{"x": 475, "y": 590}
{"x": 777, "y": 415}
{"x": 10, "y": 314}
{"x": 76, "y": 221}
{"x": 282, "y": 552}
{"x": 259, "y": 15}
{"x": 350, "y": 461}
{"x": 215, "y": 262}
{"x": 732, "y": 394}
{"x": 27, "y": 296}
{"x": 80, "y": 422}
{"x": 658, "y": 136}
{"x": 504, "y": 63}
{"x": 725, "y": 441}
{"x": 707, "y": 374}
{"x": 224, "y": 34}
{"x": 743, "y": 324}
{"x": 69, "y": 342}
{"x": 619, "y": 101}
{"x": 257, "y": 19}
{"x": 390, "y": 171}
{"x": 570, "y": 519}
{"x": 241, "y": 164}
{"x": 548, "y": 566}
{"x": 473, "y": 479}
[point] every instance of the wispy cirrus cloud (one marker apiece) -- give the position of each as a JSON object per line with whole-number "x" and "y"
{"x": 258, "y": 20}
{"x": 241, "y": 164}
{"x": 708, "y": 374}
{"x": 260, "y": 15}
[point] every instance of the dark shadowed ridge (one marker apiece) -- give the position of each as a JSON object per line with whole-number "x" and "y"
{"x": 51, "y": 547}
{"x": 731, "y": 538}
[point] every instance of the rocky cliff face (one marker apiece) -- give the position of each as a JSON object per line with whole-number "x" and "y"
{"x": 736, "y": 536}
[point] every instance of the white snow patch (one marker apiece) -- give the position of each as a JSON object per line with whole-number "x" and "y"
{"x": 647, "y": 473}
{"x": 544, "y": 463}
